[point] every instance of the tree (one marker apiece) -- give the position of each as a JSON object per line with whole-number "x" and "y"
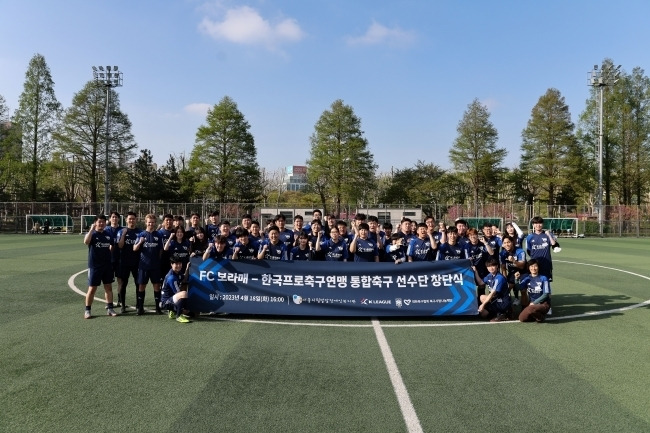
{"x": 82, "y": 136}
{"x": 224, "y": 157}
{"x": 475, "y": 155}
{"x": 418, "y": 185}
{"x": 4, "y": 111}
{"x": 340, "y": 165}
{"x": 38, "y": 111}
{"x": 146, "y": 183}
{"x": 549, "y": 148}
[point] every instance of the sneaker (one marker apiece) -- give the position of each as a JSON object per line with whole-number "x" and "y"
{"x": 550, "y": 312}
{"x": 87, "y": 314}
{"x": 500, "y": 318}
{"x": 172, "y": 315}
{"x": 516, "y": 302}
{"x": 123, "y": 309}
{"x": 111, "y": 312}
{"x": 182, "y": 319}
{"x": 140, "y": 311}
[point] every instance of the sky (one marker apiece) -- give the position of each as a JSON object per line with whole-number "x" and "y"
{"x": 409, "y": 69}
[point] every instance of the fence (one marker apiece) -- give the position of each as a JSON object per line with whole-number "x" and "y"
{"x": 618, "y": 220}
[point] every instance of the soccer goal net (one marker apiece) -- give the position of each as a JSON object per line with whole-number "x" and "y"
{"x": 477, "y": 223}
{"x": 565, "y": 227}
{"x": 49, "y": 224}
{"x": 88, "y": 220}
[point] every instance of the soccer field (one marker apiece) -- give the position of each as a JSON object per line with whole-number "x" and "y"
{"x": 587, "y": 369}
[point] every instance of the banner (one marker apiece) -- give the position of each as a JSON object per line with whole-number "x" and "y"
{"x": 317, "y": 288}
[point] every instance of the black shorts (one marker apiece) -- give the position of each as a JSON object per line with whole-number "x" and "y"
{"x": 99, "y": 275}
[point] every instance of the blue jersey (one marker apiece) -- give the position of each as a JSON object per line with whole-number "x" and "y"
{"x": 300, "y": 255}
{"x": 179, "y": 250}
{"x": 212, "y": 231}
{"x": 420, "y": 250}
{"x": 498, "y": 283}
{"x": 114, "y": 233}
{"x": 477, "y": 254}
{"x": 216, "y": 255}
{"x": 171, "y": 285}
{"x": 129, "y": 257}
{"x": 538, "y": 288}
{"x": 451, "y": 252}
{"x": 99, "y": 250}
{"x": 518, "y": 254}
{"x": 538, "y": 246}
{"x": 274, "y": 251}
{"x": 334, "y": 251}
{"x": 366, "y": 251}
{"x": 248, "y": 251}
{"x": 495, "y": 243}
{"x": 395, "y": 254}
{"x": 150, "y": 250}
{"x": 286, "y": 237}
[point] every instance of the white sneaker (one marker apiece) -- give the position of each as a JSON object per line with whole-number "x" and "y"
{"x": 87, "y": 314}
{"x": 550, "y": 312}
{"x": 516, "y": 302}
{"x": 111, "y": 312}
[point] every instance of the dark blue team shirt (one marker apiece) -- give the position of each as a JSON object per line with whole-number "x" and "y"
{"x": 334, "y": 252}
{"x": 420, "y": 250}
{"x": 536, "y": 287}
{"x": 520, "y": 256}
{"x": 274, "y": 252}
{"x": 179, "y": 250}
{"x": 451, "y": 252}
{"x": 115, "y": 233}
{"x": 99, "y": 249}
{"x": 300, "y": 254}
{"x": 128, "y": 257}
{"x": 366, "y": 250}
{"x": 498, "y": 283}
{"x": 286, "y": 237}
{"x": 171, "y": 285}
{"x": 248, "y": 251}
{"x": 150, "y": 250}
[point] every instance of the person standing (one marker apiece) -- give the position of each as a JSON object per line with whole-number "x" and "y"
{"x": 538, "y": 246}
{"x": 129, "y": 259}
{"x": 150, "y": 245}
{"x": 100, "y": 268}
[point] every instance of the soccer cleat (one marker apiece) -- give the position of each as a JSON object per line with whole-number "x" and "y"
{"x": 123, "y": 309}
{"x": 87, "y": 314}
{"x": 550, "y": 312}
{"x": 111, "y": 312}
{"x": 182, "y": 319}
{"x": 516, "y": 302}
{"x": 172, "y": 315}
{"x": 500, "y": 318}
{"x": 140, "y": 311}
{"x": 158, "y": 310}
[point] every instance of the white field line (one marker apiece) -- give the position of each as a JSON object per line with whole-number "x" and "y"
{"x": 408, "y": 411}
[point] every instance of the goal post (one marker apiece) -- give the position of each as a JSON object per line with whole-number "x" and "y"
{"x": 563, "y": 227}
{"x": 49, "y": 224}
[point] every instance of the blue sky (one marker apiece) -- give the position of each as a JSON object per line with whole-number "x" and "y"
{"x": 408, "y": 68}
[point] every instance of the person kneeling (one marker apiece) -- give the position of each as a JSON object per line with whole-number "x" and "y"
{"x": 536, "y": 294}
{"x": 173, "y": 297}
{"x": 496, "y": 304}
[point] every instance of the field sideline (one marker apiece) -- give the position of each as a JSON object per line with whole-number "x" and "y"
{"x": 586, "y": 370}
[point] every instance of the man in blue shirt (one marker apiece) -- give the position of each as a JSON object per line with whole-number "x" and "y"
{"x": 129, "y": 259}
{"x": 150, "y": 245}
{"x": 538, "y": 246}
{"x": 100, "y": 268}
{"x": 423, "y": 247}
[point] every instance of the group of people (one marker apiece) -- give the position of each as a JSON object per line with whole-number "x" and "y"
{"x": 160, "y": 254}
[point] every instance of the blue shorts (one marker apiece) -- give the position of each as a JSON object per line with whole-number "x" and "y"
{"x": 496, "y": 307}
{"x": 146, "y": 275}
{"x": 168, "y": 304}
{"x": 102, "y": 274}
{"x": 126, "y": 270}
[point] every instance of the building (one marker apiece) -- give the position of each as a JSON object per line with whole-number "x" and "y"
{"x": 295, "y": 178}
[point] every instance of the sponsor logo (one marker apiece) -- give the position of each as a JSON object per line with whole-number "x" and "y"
{"x": 297, "y": 299}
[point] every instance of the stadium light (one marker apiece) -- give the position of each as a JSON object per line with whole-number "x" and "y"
{"x": 108, "y": 80}
{"x": 608, "y": 75}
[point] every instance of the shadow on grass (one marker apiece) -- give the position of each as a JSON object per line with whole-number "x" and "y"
{"x": 589, "y": 307}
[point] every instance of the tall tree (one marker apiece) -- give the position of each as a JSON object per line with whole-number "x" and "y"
{"x": 340, "y": 165}
{"x": 37, "y": 114}
{"x": 475, "y": 155}
{"x": 82, "y": 136}
{"x": 418, "y": 185}
{"x": 224, "y": 157}
{"x": 4, "y": 111}
{"x": 549, "y": 147}
{"x": 146, "y": 183}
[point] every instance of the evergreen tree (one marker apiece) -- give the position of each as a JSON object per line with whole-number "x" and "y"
{"x": 475, "y": 155}
{"x": 549, "y": 148}
{"x": 82, "y": 136}
{"x": 224, "y": 158}
{"x": 145, "y": 181}
{"x": 37, "y": 114}
{"x": 340, "y": 165}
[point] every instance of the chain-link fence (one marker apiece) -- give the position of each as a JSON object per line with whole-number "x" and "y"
{"x": 617, "y": 220}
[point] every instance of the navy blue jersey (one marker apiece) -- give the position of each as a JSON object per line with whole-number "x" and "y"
{"x": 477, "y": 254}
{"x": 498, "y": 283}
{"x": 495, "y": 243}
{"x": 451, "y": 252}
{"x": 129, "y": 257}
{"x": 366, "y": 250}
{"x": 171, "y": 285}
{"x": 225, "y": 254}
{"x": 179, "y": 250}
{"x": 286, "y": 237}
{"x": 518, "y": 254}
{"x": 334, "y": 251}
{"x": 99, "y": 250}
{"x": 395, "y": 254}
{"x": 248, "y": 251}
{"x": 114, "y": 233}
{"x": 150, "y": 250}
{"x": 538, "y": 246}
{"x": 538, "y": 288}
{"x": 301, "y": 255}
{"x": 274, "y": 251}
{"x": 420, "y": 250}
{"x": 212, "y": 231}
{"x": 231, "y": 239}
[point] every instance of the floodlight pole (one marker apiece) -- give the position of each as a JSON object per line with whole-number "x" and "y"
{"x": 607, "y": 76}
{"x": 108, "y": 80}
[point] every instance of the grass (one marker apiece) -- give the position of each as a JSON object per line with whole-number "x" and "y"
{"x": 63, "y": 373}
